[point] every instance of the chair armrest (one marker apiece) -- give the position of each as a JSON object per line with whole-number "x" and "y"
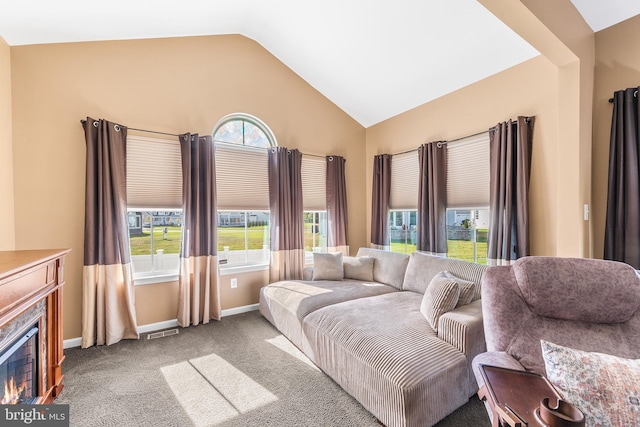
{"x": 307, "y": 273}
{"x": 463, "y": 329}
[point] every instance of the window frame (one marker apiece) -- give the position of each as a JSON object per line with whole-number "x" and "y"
{"x": 412, "y": 228}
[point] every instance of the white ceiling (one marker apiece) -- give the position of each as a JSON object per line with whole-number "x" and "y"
{"x": 373, "y": 58}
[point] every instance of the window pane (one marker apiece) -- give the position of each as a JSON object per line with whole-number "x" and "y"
{"x": 467, "y": 231}
{"x": 402, "y": 231}
{"x": 243, "y": 237}
{"x": 254, "y": 137}
{"x": 155, "y": 238}
{"x": 315, "y": 231}
{"x": 230, "y": 132}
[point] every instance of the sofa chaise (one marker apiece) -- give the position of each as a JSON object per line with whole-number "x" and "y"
{"x": 397, "y": 332}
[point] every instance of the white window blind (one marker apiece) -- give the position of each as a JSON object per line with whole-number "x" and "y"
{"x": 314, "y": 173}
{"x": 404, "y": 181}
{"x": 154, "y": 173}
{"x": 242, "y": 178}
{"x": 468, "y": 172}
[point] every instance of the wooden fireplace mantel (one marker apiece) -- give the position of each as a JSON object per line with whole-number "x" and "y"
{"x": 26, "y": 278}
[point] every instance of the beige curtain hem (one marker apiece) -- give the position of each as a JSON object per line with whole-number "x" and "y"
{"x": 286, "y": 265}
{"x": 198, "y": 291}
{"x": 108, "y": 304}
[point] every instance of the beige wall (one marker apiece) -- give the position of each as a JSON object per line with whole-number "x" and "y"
{"x": 528, "y": 89}
{"x": 617, "y": 67}
{"x": 7, "y": 233}
{"x": 171, "y": 85}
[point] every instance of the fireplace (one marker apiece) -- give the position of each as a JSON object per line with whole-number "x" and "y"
{"x": 19, "y": 364}
{"x": 31, "y": 347}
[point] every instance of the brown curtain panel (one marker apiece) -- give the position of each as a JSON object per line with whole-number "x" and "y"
{"x": 336, "y": 190}
{"x": 380, "y": 193}
{"x": 108, "y": 303}
{"x": 432, "y": 199}
{"x": 199, "y": 284}
{"x": 510, "y": 168}
{"x": 287, "y": 222}
{"x": 622, "y": 227}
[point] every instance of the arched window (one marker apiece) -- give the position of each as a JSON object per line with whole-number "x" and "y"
{"x": 242, "y": 143}
{"x": 243, "y": 129}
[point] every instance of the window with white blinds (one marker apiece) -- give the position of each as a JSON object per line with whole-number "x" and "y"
{"x": 314, "y": 173}
{"x": 404, "y": 181}
{"x": 468, "y": 172}
{"x": 242, "y": 177}
{"x": 154, "y": 173}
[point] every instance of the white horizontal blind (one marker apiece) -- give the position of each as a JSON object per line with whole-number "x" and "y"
{"x": 154, "y": 173}
{"x": 242, "y": 177}
{"x": 404, "y": 181}
{"x": 468, "y": 172}
{"x": 314, "y": 183}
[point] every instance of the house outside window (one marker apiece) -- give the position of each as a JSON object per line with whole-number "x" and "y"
{"x": 155, "y": 238}
{"x": 402, "y": 230}
{"x": 243, "y": 237}
{"x": 467, "y": 233}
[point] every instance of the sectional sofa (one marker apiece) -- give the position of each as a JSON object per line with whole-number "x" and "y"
{"x": 397, "y": 332}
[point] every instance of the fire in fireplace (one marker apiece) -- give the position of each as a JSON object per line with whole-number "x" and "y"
{"x": 18, "y": 369}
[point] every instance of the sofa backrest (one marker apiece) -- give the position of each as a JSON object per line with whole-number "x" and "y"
{"x": 586, "y": 304}
{"x": 388, "y": 267}
{"x": 423, "y": 267}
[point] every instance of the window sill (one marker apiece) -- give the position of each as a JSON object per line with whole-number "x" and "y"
{"x": 157, "y": 278}
{"x": 226, "y": 269}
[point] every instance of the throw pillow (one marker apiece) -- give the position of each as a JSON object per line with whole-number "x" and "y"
{"x": 605, "y": 388}
{"x": 440, "y": 296}
{"x": 327, "y": 266}
{"x": 359, "y": 268}
{"x": 467, "y": 289}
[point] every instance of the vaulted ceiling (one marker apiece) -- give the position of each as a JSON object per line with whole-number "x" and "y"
{"x": 373, "y": 58}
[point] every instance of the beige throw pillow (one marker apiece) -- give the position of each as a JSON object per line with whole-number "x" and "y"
{"x": 327, "y": 266}
{"x": 358, "y": 268}
{"x": 440, "y": 297}
{"x": 467, "y": 289}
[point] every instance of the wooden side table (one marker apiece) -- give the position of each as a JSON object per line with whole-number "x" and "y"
{"x": 514, "y": 398}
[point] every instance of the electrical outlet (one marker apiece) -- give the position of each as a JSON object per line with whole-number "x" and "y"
{"x": 234, "y": 283}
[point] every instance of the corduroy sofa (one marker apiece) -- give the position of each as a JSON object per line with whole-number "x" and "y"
{"x": 371, "y": 336}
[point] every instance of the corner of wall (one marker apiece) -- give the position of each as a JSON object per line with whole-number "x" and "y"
{"x": 7, "y": 222}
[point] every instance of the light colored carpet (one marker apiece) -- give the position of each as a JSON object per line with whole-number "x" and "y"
{"x": 237, "y": 372}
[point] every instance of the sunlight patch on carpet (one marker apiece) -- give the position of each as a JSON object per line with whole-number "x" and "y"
{"x": 244, "y": 393}
{"x": 202, "y": 403}
{"x": 285, "y": 345}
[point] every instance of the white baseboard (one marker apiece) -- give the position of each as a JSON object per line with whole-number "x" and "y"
{"x": 239, "y": 310}
{"x": 152, "y": 327}
{"x": 72, "y": 342}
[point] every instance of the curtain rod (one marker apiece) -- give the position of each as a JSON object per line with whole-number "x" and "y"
{"x": 440, "y": 144}
{"x": 173, "y": 134}
{"x": 635, "y": 94}
{"x": 142, "y": 130}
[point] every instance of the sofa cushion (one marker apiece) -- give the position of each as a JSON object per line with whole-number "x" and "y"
{"x": 590, "y": 288}
{"x": 605, "y": 388}
{"x": 327, "y": 266}
{"x": 358, "y": 268}
{"x": 389, "y": 267}
{"x": 422, "y": 268}
{"x": 467, "y": 289}
{"x": 441, "y": 296}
